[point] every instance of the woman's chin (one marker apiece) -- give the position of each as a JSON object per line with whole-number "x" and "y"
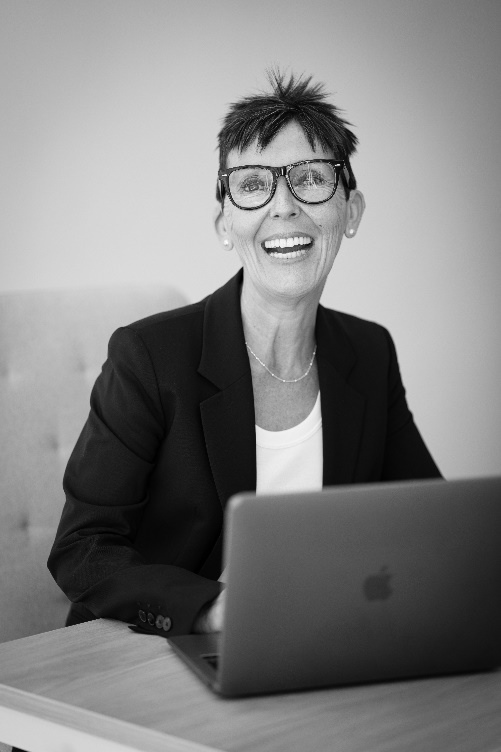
{"x": 290, "y": 283}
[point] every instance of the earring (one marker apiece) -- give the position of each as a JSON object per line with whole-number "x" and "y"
{"x": 226, "y": 244}
{"x": 352, "y": 232}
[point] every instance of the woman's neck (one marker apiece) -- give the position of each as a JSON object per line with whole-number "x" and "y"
{"x": 280, "y": 331}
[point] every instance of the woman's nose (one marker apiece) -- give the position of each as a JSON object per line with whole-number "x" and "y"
{"x": 283, "y": 202}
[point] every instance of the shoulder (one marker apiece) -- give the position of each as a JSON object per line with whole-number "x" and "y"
{"x": 177, "y": 336}
{"x": 176, "y": 322}
{"x": 361, "y": 350}
{"x": 160, "y": 340}
{"x": 182, "y": 328}
{"x": 362, "y": 334}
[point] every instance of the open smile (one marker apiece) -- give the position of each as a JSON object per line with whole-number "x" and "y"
{"x": 287, "y": 247}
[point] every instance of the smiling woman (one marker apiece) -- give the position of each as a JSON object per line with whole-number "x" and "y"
{"x": 257, "y": 387}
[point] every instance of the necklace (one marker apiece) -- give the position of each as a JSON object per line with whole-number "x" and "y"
{"x": 284, "y": 381}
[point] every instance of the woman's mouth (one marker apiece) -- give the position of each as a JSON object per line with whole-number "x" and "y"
{"x": 288, "y": 247}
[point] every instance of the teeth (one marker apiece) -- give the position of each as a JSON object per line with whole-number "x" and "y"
{"x": 287, "y": 242}
{"x": 289, "y": 255}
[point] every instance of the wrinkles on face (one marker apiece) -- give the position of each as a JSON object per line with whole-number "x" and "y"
{"x": 280, "y": 274}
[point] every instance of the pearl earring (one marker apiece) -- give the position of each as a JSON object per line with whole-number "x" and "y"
{"x": 225, "y": 242}
{"x": 352, "y": 232}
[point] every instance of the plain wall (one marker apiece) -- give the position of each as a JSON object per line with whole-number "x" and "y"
{"x": 109, "y": 116}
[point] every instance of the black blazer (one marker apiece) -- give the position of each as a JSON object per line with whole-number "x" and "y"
{"x": 171, "y": 436}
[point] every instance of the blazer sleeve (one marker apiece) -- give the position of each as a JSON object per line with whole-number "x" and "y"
{"x": 406, "y": 454}
{"x": 93, "y": 558}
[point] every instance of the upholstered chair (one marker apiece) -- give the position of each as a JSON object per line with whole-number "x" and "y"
{"x": 52, "y": 346}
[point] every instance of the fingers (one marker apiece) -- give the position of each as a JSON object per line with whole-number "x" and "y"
{"x": 211, "y": 618}
{"x": 217, "y": 613}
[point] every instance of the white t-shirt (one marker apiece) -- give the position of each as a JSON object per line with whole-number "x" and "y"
{"x": 291, "y": 460}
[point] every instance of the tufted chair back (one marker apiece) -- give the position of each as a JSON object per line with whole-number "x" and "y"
{"x": 52, "y": 346}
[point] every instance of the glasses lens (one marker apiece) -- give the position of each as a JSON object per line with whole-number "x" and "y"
{"x": 314, "y": 181}
{"x": 251, "y": 186}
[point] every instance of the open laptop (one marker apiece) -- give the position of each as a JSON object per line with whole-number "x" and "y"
{"x": 356, "y": 584}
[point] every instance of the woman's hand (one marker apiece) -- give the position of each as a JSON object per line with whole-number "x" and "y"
{"x": 211, "y": 617}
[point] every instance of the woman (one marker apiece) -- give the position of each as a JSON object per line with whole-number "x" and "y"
{"x": 256, "y": 387}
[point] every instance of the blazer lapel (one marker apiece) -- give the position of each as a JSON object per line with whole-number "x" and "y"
{"x": 342, "y": 406}
{"x": 228, "y": 416}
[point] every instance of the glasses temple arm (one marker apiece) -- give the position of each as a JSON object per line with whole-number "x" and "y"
{"x": 348, "y": 178}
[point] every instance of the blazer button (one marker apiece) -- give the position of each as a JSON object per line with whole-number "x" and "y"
{"x": 151, "y": 620}
{"x": 142, "y": 615}
{"x": 167, "y": 624}
{"x": 159, "y": 621}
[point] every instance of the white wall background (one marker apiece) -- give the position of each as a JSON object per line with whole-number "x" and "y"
{"x": 108, "y": 122}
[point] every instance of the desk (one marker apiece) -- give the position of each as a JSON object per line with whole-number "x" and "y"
{"x": 98, "y": 686}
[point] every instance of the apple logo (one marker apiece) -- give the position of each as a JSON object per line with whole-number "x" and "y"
{"x": 377, "y": 586}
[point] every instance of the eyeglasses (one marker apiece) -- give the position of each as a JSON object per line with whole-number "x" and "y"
{"x": 311, "y": 181}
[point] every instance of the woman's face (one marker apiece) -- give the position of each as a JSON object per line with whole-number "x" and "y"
{"x": 301, "y": 270}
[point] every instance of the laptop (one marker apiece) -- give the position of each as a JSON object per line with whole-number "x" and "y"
{"x": 356, "y": 584}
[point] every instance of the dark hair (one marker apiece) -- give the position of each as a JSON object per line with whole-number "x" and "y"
{"x": 261, "y": 116}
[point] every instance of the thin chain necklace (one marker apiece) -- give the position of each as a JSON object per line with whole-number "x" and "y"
{"x": 284, "y": 381}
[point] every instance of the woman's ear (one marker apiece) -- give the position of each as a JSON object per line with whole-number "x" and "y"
{"x": 221, "y": 229}
{"x": 354, "y": 211}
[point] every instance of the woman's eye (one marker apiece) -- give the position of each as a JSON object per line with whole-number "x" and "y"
{"x": 251, "y": 185}
{"x": 310, "y": 179}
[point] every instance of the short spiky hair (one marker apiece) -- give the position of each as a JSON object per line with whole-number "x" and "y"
{"x": 261, "y": 116}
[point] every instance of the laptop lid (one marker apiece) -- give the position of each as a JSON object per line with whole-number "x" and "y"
{"x": 358, "y": 583}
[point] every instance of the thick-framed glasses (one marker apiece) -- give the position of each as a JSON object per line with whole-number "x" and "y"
{"x": 311, "y": 181}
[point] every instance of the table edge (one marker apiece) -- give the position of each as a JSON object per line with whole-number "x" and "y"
{"x": 52, "y": 722}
